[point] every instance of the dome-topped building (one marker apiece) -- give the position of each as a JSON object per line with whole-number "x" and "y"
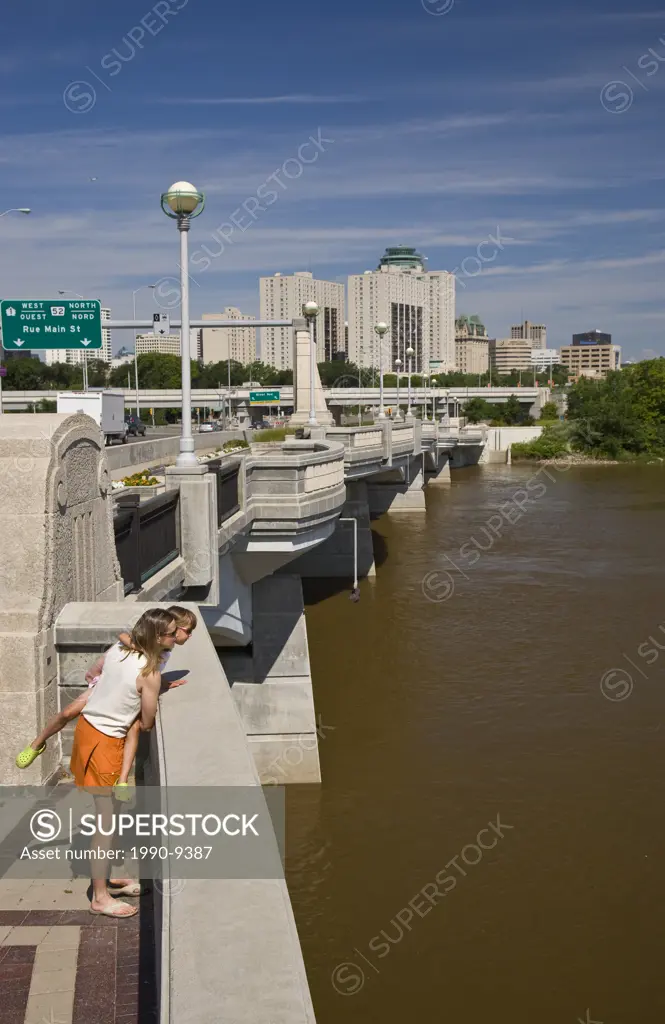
{"x": 402, "y": 257}
{"x": 417, "y": 304}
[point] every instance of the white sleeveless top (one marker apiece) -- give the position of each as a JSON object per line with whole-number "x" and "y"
{"x": 115, "y": 703}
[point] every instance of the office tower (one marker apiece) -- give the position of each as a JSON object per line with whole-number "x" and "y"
{"x": 592, "y": 354}
{"x": 535, "y": 333}
{"x": 507, "y": 354}
{"x": 222, "y": 343}
{"x": 282, "y": 297}
{"x": 169, "y": 345}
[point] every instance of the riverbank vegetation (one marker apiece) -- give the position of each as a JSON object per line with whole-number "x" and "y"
{"x": 621, "y": 418}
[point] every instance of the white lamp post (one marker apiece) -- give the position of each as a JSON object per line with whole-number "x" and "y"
{"x": 310, "y": 312}
{"x": 381, "y": 329}
{"x": 136, "y": 361}
{"x": 409, "y": 414}
{"x": 181, "y": 203}
{"x": 17, "y": 209}
{"x": 425, "y": 377}
{"x": 398, "y": 366}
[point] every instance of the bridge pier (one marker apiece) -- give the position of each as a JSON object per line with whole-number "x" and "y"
{"x": 273, "y": 689}
{"x": 398, "y": 490}
{"x": 441, "y": 475}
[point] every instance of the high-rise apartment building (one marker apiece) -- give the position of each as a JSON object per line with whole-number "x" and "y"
{"x": 418, "y": 305}
{"x": 222, "y": 343}
{"x": 282, "y": 297}
{"x": 75, "y": 356}
{"x": 535, "y": 333}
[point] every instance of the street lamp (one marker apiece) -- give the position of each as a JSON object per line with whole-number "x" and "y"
{"x": 409, "y": 414}
{"x": 84, "y": 355}
{"x": 398, "y": 366}
{"x": 136, "y": 360}
{"x": 16, "y": 209}
{"x": 425, "y": 377}
{"x": 381, "y": 329}
{"x": 310, "y": 312}
{"x": 181, "y": 203}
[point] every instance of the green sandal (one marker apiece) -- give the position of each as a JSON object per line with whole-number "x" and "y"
{"x": 27, "y": 756}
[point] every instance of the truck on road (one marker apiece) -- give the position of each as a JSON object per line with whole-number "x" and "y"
{"x": 106, "y": 408}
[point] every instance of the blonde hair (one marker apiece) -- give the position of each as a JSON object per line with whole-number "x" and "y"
{"x": 183, "y": 617}
{"x": 145, "y": 637}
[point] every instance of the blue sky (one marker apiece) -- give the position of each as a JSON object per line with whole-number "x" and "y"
{"x": 441, "y": 122}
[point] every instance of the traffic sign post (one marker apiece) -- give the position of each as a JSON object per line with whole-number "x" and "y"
{"x": 160, "y": 324}
{"x": 263, "y": 397}
{"x": 51, "y": 324}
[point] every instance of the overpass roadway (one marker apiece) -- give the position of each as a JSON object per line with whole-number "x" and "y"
{"x": 213, "y": 397}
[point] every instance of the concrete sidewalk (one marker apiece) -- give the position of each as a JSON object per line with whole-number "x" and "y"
{"x": 61, "y": 965}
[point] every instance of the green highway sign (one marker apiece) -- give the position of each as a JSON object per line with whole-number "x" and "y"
{"x": 44, "y": 323}
{"x": 263, "y": 397}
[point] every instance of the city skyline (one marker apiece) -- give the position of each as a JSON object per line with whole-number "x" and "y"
{"x": 575, "y": 218}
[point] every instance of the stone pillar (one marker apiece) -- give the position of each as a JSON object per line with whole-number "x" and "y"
{"x": 334, "y": 558}
{"x": 302, "y": 355}
{"x": 277, "y": 709}
{"x": 58, "y": 546}
{"x": 198, "y": 526}
{"x": 400, "y": 490}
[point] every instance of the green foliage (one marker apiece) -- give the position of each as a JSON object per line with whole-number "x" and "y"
{"x": 274, "y": 434}
{"x": 510, "y": 414}
{"x": 230, "y": 446}
{"x": 622, "y": 416}
{"x": 477, "y": 409}
{"x": 552, "y": 443}
{"x": 550, "y": 411}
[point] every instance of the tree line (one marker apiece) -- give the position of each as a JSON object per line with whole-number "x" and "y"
{"x": 163, "y": 371}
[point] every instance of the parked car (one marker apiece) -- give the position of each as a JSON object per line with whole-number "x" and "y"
{"x": 135, "y": 426}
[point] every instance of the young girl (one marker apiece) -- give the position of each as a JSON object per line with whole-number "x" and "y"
{"x": 185, "y": 624}
{"x": 127, "y": 690}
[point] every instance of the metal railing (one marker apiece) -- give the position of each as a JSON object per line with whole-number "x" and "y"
{"x": 146, "y": 536}
{"x": 228, "y": 493}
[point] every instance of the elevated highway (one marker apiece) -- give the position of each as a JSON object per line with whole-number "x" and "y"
{"x": 213, "y": 398}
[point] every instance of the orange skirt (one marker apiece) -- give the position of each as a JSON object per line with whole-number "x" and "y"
{"x": 96, "y": 758}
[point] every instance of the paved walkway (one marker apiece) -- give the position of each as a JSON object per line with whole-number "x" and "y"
{"x": 61, "y": 965}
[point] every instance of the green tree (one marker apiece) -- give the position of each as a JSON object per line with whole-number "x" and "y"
{"x": 477, "y": 409}
{"x": 549, "y": 411}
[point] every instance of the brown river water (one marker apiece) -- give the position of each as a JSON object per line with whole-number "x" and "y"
{"x": 487, "y": 844}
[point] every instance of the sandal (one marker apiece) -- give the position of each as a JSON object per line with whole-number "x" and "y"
{"x": 133, "y": 889}
{"x": 28, "y": 755}
{"x": 116, "y": 910}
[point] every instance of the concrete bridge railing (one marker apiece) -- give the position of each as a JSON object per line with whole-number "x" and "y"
{"x": 228, "y": 948}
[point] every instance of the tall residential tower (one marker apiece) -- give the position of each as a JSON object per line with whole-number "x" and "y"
{"x": 282, "y": 298}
